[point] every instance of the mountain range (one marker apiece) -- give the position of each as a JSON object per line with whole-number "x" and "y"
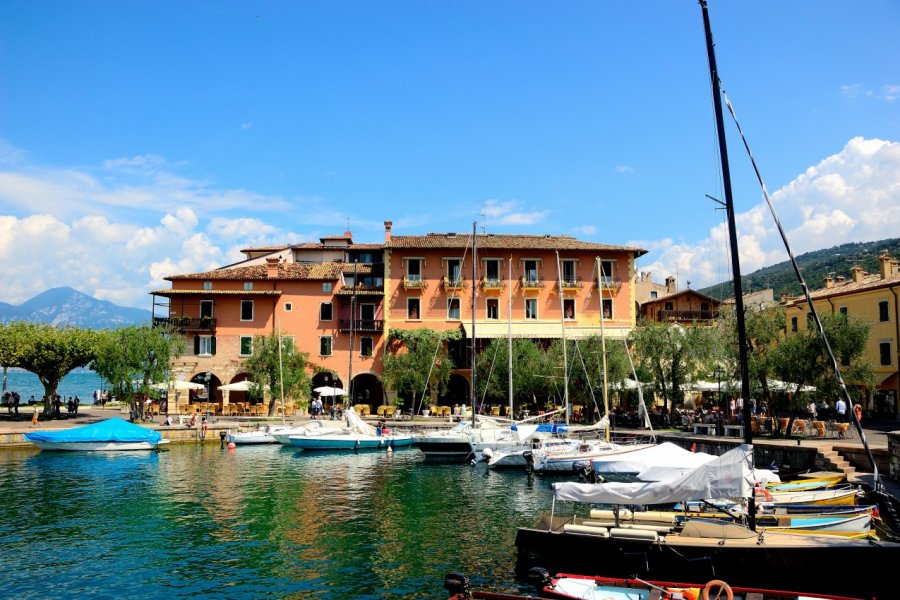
{"x": 66, "y": 306}
{"x": 815, "y": 266}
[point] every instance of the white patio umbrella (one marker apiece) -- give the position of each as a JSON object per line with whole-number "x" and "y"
{"x": 178, "y": 386}
{"x": 329, "y": 391}
{"x": 239, "y": 386}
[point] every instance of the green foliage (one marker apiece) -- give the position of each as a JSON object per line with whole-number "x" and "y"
{"x": 815, "y": 266}
{"x": 47, "y": 351}
{"x": 133, "y": 358}
{"x": 531, "y": 376}
{"x": 802, "y": 358}
{"x": 415, "y": 353}
{"x": 264, "y": 370}
{"x": 765, "y": 331}
{"x": 673, "y": 354}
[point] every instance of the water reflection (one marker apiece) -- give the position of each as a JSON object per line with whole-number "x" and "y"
{"x": 256, "y": 522}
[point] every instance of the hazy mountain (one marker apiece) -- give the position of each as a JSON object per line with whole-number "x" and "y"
{"x": 65, "y": 306}
{"x": 814, "y": 266}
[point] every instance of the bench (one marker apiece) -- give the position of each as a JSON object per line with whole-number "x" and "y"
{"x": 734, "y": 430}
{"x": 704, "y": 428}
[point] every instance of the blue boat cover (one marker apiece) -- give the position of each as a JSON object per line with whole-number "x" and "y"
{"x": 548, "y": 428}
{"x": 110, "y": 430}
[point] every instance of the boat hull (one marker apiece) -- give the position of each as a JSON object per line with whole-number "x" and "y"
{"x": 798, "y": 562}
{"x": 98, "y": 446}
{"x": 325, "y": 442}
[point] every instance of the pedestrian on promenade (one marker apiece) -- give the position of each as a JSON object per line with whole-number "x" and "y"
{"x": 858, "y": 410}
{"x": 840, "y": 408}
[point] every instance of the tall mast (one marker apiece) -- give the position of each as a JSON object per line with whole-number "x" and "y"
{"x": 509, "y": 336}
{"x": 474, "y": 273}
{"x": 603, "y": 346}
{"x": 732, "y": 237}
{"x": 562, "y": 324}
{"x": 352, "y": 317}
{"x": 281, "y": 374}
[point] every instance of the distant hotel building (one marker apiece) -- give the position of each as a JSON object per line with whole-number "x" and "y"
{"x": 337, "y": 300}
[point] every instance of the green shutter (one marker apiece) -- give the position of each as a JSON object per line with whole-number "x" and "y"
{"x": 212, "y": 346}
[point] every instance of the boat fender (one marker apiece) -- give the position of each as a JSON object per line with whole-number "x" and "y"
{"x": 720, "y": 587}
{"x": 763, "y": 494}
{"x": 686, "y": 593}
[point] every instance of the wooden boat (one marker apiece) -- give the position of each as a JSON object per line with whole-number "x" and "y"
{"x": 583, "y": 587}
{"x": 111, "y": 434}
{"x": 799, "y": 485}
{"x": 843, "y": 496}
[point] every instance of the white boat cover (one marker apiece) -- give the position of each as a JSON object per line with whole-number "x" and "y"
{"x": 357, "y": 425}
{"x": 726, "y": 476}
{"x": 664, "y": 461}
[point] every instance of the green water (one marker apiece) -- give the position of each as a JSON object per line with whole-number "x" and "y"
{"x": 256, "y": 522}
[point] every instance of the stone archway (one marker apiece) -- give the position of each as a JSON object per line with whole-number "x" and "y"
{"x": 457, "y": 392}
{"x": 367, "y": 389}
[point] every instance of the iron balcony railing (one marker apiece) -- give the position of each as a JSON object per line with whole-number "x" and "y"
{"x": 609, "y": 283}
{"x": 687, "y": 315}
{"x": 531, "y": 283}
{"x": 186, "y": 323}
{"x": 492, "y": 284}
{"x": 569, "y": 284}
{"x": 362, "y": 325}
{"x": 414, "y": 282}
{"x": 456, "y": 283}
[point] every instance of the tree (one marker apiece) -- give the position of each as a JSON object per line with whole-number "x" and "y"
{"x": 585, "y": 363}
{"x": 531, "y": 375}
{"x": 275, "y": 365}
{"x": 765, "y": 332}
{"x": 802, "y": 360}
{"x": 47, "y": 351}
{"x": 673, "y": 354}
{"x": 133, "y": 358}
{"x": 418, "y": 360}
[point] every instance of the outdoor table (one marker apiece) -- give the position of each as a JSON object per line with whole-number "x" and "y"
{"x": 735, "y": 430}
{"x": 707, "y": 428}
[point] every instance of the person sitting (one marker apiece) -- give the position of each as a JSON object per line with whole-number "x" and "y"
{"x": 380, "y": 429}
{"x": 192, "y": 422}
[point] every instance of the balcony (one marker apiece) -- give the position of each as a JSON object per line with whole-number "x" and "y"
{"x": 362, "y": 325}
{"x": 531, "y": 283}
{"x": 492, "y": 285}
{"x": 687, "y": 316}
{"x": 414, "y": 282}
{"x": 361, "y": 289}
{"x": 186, "y": 324}
{"x": 608, "y": 282}
{"x": 457, "y": 283}
{"x": 571, "y": 285}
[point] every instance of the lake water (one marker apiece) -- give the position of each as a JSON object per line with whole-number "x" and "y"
{"x": 256, "y": 522}
{"x": 80, "y": 382}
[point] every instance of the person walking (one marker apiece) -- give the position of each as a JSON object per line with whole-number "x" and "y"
{"x": 840, "y": 408}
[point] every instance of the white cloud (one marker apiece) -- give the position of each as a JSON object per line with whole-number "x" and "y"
{"x": 585, "y": 230}
{"x": 507, "y": 213}
{"x": 624, "y": 169}
{"x": 887, "y": 92}
{"x": 851, "y": 196}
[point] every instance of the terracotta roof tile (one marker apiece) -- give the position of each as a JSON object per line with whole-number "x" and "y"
{"x": 492, "y": 241}
{"x": 172, "y": 292}
{"x": 840, "y": 288}
{"x": 266, "y": 248}
{"x": 329, "y": 271}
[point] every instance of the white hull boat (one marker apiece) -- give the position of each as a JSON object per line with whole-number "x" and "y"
{"x": 357, "y": 435}
{"x": 584, "y": 454}
{"x": 110, "y": 435}
{"x": 263, "y": 435}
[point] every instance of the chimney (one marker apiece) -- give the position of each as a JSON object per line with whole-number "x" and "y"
{"x": 857, "y": 273}
{"x": 671, "y": 288}
{"x": 886, "y": 264}
{"x": 387, "y": 231}
{"x": 840, "y": 279}
{"x": 272, "y": 267}
{"x": 829, "y": 282}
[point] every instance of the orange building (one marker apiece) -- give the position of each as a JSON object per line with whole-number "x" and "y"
{"x": 337, "y": 300}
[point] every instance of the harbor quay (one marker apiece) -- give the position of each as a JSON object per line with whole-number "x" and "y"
{"x": 845, "y": 455}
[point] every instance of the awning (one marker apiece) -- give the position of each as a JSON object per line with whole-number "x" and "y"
{"x": 540, "y": 329}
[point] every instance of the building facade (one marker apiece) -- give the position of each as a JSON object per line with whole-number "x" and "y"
{"x": 337, "y": 301}
{"x": 873, "y": 299}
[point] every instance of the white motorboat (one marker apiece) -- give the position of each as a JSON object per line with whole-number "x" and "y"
{"x": 567, "y": 459}
{"x": 357, "y": 435}
{"x": 465, "y": 440}
{"x": 111, "y": 434}
{"x": 261, "y": 435}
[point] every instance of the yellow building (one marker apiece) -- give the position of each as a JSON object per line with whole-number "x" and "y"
{"x": 873, "y": 299}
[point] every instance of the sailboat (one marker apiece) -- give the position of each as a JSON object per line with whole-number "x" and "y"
{"x": 704, "y": 548}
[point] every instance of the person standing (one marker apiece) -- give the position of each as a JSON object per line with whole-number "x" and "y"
{"x": 858, "y": 410}
{"x": 840, "y": 408}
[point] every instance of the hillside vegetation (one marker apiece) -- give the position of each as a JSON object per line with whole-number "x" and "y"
{"x": 814, "y": 266}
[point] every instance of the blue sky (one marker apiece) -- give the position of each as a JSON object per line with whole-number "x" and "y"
{"x": 144, "y": 139}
